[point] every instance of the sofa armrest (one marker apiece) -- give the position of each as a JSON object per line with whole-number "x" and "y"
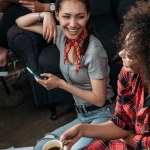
{"x": 25, "y": 44}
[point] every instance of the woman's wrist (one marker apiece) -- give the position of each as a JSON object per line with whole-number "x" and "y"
{"x": 82, "y": 130}
{"x": 61, "y": 84}
{"x": 43, "y": 15}
{"x": 39, "y": 17}
{"x": 46, "y": 7}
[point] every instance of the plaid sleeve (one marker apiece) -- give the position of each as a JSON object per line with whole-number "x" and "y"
{"x": 141, "y": 142}
{"x": 107, "y": 145}
{"x": 120, "y": 117}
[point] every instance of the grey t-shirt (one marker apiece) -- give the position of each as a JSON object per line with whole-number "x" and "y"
{"x": 94, "y": 64}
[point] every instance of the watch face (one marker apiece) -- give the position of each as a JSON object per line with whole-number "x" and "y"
{"x": 52, "y": 7}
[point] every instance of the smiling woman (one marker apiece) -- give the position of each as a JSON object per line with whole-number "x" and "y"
{"x": 83, "y": 62}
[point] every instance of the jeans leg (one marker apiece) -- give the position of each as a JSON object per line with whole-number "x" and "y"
{"x": 62, "y": 129}
{"x": 56, "y": 134}
{"x": 96, "y": 117}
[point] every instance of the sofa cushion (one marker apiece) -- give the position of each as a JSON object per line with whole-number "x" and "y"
{"x": 106, "y": 30}
{"x": 49, "y": 59}
{"x": 100, "y": 7}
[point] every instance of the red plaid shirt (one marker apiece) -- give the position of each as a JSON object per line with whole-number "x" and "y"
{"x": 130, "y": 114}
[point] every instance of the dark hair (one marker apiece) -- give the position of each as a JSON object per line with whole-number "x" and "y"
{"x": 137, "y": 23}
{"x": 88, "y": 25}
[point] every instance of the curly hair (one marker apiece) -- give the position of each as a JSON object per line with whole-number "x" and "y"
{"x": 137, "y": 24}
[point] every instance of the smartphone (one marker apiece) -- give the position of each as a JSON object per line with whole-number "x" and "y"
{"x": 34, "y": 73}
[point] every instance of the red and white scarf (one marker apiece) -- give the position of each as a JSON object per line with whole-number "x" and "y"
{"x": 75, "y": 43}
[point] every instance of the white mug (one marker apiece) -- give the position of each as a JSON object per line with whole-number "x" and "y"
{"x": 52, "y": 144}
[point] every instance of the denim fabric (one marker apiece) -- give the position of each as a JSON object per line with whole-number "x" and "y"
{"x": 94, "y": 117}
{"x": 44, "y": 140}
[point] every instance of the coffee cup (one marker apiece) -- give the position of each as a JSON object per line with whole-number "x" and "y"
{"x": 54, "y": 145}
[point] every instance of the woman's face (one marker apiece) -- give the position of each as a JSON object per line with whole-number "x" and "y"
{"x": 130, "y": 63}
{"x": 72, "y": 18}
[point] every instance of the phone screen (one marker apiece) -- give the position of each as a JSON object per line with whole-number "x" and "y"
{"x": 34, "y": 74}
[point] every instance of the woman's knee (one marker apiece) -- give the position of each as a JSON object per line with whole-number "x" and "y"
{"x": 40, "y": 143}
{"x": 82, "y": 143}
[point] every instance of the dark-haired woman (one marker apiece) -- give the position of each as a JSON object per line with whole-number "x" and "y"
{"x": 83, "y": 62}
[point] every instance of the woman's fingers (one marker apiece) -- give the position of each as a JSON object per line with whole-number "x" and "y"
{"x": 54, "y": 35}
{"x": 49, "y": 28}
{"x": 42, "y": 82}
{"x": 28, "y": 4}
{"x": 48, "y": 75}
{"x": 24, "y": 2}
{"x": 48, "y": 34}
{"x": 46, "y": 82}
{"x": 45, "y": 31}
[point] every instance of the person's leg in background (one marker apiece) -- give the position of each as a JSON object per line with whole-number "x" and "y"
{"x": 9, "y": 16}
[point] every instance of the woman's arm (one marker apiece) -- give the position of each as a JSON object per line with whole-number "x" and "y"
{"x": 34, "y": 5}
{"x": 96, "y": 96}
{"x": 32, "y": 22}
{"x": 107, "y": 130}
{"x": 28, "y": 20}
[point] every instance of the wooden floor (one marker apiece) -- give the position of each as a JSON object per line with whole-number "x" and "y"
{"x": 24, "y": 124}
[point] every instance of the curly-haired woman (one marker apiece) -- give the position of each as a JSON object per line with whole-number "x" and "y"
{"x": 129, "y": 127}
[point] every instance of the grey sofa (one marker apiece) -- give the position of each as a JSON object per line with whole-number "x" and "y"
{"x": 106, "y": 17}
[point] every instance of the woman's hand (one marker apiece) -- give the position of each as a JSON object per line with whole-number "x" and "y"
{"x": 49, "y": 27}
{"x": 33, "y": 5}
{"x": 49, "y": 24}
{"x": 50, "y": 81}
{"x": 71, "y": 136}
{"x": 129, "y": 140}
{"x": 31, "y": 22}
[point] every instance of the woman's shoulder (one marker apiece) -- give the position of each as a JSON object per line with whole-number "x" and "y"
{"x": 59, "y": 31}
{"x": 126, "y": 77}
{"x": 95, "y": 46}
{"x": 94, "y": 41}
{"x": 60, "y": 37}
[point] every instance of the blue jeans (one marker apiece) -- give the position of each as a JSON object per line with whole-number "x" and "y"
{"x": 94, "y": 117}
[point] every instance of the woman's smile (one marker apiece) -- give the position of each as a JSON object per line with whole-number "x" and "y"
{"x": 73, "y": 31}
{"x": 73, "y": 19}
